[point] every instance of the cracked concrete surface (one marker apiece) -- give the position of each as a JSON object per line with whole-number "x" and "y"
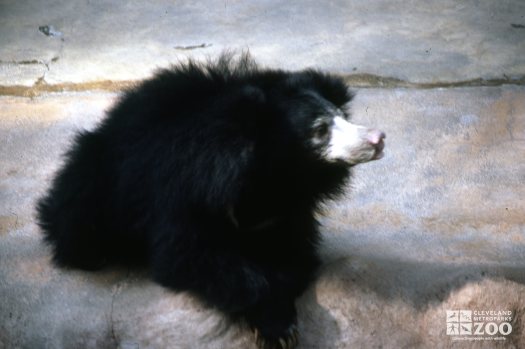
{"x": 437, "y": 225}
{"x": 417, "y": 41}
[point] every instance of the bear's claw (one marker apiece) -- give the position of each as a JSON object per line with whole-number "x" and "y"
{"x": 288, "y": 341}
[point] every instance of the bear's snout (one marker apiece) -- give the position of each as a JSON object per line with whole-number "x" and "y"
{"x": 354, "y": 144}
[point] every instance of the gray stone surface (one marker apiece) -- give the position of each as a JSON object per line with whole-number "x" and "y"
{"x": 427, "y": 41}
{"x": 437, "y": 224}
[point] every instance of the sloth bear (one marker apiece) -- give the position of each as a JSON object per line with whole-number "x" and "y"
{"x": 211, "y": 174}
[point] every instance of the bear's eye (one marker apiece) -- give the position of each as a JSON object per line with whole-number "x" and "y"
{"x": 321, "y": 131}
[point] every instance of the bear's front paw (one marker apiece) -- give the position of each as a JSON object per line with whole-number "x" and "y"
{"x": 287, "y": 339}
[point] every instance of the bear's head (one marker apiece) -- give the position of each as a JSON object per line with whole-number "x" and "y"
{"x": 326, "y": 130}
{"x": 310, "y": 109}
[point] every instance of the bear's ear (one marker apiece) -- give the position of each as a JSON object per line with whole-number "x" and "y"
{"x": 253, "y": 95}
{"x": 330, "y": 87}
{"x": 249, "y": 106}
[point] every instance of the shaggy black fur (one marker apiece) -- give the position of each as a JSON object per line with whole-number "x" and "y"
{"x": 207, "y": 173}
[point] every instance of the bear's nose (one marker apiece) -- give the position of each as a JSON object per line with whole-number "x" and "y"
{"x": 375, "y": 137}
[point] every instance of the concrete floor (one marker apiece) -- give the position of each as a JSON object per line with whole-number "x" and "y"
{"x": 437, "y": 225}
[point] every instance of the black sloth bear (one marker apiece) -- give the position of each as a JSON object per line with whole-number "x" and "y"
{"x": 211, "y": 173}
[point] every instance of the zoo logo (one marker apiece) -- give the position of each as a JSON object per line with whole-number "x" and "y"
{"x": 478, "y": 322}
